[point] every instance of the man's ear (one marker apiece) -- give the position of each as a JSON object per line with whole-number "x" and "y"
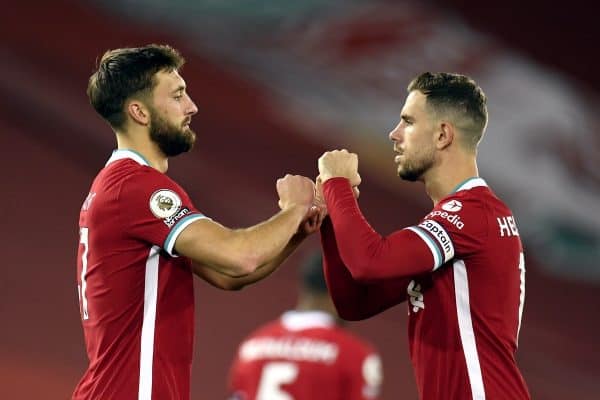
{"x": 445, "y": 135}
{"x": 138, "y": 112}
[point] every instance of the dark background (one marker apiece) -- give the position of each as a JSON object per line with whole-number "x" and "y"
{"x": 53, "y": 144}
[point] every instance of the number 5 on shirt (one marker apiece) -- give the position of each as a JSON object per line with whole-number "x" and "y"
{"x": 274, "y": 375}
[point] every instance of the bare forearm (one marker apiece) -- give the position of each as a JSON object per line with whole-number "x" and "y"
{"x": 269, "y": 241}
{"x": 268, "y": 268}
{"x": 238, "y": 252}
{"x": 230, "y": 283}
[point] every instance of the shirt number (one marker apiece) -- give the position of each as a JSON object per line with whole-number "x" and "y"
{"x": 275, "y": 374}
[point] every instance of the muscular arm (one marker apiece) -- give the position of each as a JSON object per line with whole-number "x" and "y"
{"x": 226, "y": 282}
{"x": 239, "y": 252}
{"x": 355, "y": 300}
{"x": 366, "y": 254}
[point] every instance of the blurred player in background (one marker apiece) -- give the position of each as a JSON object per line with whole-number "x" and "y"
{"x": 461, "y": 268}
{"x": 142, "y": 238}
{"x": 306, "y": 354}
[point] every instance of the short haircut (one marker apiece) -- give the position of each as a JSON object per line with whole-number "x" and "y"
{"x": 312, "y": 277}
{"x": 457, "y": 97}
{"x": 127, "y": 72}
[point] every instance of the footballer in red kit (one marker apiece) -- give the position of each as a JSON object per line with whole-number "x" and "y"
{"x": 136, "y": 295}
{"x": 455, "y": 317}
{"x": 304, "y": 355}
{"x": 307, "y": 353}
{"x": 460, "y": 269}
{"x": 141, "y": 239}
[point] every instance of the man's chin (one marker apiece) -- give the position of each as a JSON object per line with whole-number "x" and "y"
{"x": 192, "y": 138}
{"x": 407, "y": 175}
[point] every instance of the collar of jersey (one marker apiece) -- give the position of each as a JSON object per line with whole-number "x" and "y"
{"x": 120, "y": 154}
{"x": 470, "y": 184}
{"x": 298, "y": 320}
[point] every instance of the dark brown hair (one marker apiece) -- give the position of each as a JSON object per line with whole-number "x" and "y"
{"x": 458, "y": 97}
{"x": 127, "y": 72}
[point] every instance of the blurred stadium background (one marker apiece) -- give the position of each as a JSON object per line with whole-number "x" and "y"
{"x": 277, "y": 83}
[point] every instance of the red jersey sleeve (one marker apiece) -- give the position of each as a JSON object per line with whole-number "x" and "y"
{"x": 367, "y": 255}
{"x": 155, "y": 209}
{"x": 456, "y": 227}
{"x": 355, "y": 300}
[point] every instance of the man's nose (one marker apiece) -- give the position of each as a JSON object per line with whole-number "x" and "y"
{"x": 192, "y": 109}
{"x": 395, "y": 135}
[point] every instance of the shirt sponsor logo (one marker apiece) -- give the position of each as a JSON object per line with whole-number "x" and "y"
{"x": 171, "y": 221}
{"x": 293, "y": 349}
{"x": 415, "y": 296}
{"x": 452, "y": 206}
{"x": 454, "y": 219}
{"x": 164, "y": 203}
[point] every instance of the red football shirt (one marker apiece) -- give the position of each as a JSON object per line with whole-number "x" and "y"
{"x": 304, "y": 356}
{"x": 463, "y": 273}
{"x": 136, "y": 296}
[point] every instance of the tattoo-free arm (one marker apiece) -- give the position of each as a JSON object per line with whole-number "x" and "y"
{"x": 239, "y": 252}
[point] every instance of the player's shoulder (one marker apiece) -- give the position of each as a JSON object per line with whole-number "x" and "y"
{"x": 349, "y": 340}
{"x": 474, "y": 196}
{"x": 359, "y": 358}
{"x": 472, "y": 191}
{"x": 463, "y": 213}
{"x": 469, "y": 198}
{"x": 145, "y": 180}
{"x": 131, "y": 165}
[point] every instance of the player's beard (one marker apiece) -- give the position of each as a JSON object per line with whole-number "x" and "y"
{"x": 413, "y": 169}
{"x": 171, "y": 140}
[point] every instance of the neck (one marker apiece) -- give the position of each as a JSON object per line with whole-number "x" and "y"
{"x": 441, "y": 180}
{"x": 141, "y": 143}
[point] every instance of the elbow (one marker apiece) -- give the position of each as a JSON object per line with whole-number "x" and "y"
{"x": 349, "y": 314}
{"x": 360, "y": 273}
{"x": 241, "y": 266}
{"x": 247, "y": 265}
{"x": 348, "y": 308}
{"x": 359, "y": 268}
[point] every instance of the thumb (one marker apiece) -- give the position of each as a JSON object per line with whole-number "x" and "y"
{"x": 356, "y": 180}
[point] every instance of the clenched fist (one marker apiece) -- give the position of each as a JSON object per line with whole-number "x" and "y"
{"x": 295, "y": 190}
{"x": 339, "y": 163}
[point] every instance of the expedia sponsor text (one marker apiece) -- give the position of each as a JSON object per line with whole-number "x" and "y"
{"x": 452, "y": 218}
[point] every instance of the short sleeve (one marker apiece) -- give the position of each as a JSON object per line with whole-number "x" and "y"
{"x": 155, "y": 209}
